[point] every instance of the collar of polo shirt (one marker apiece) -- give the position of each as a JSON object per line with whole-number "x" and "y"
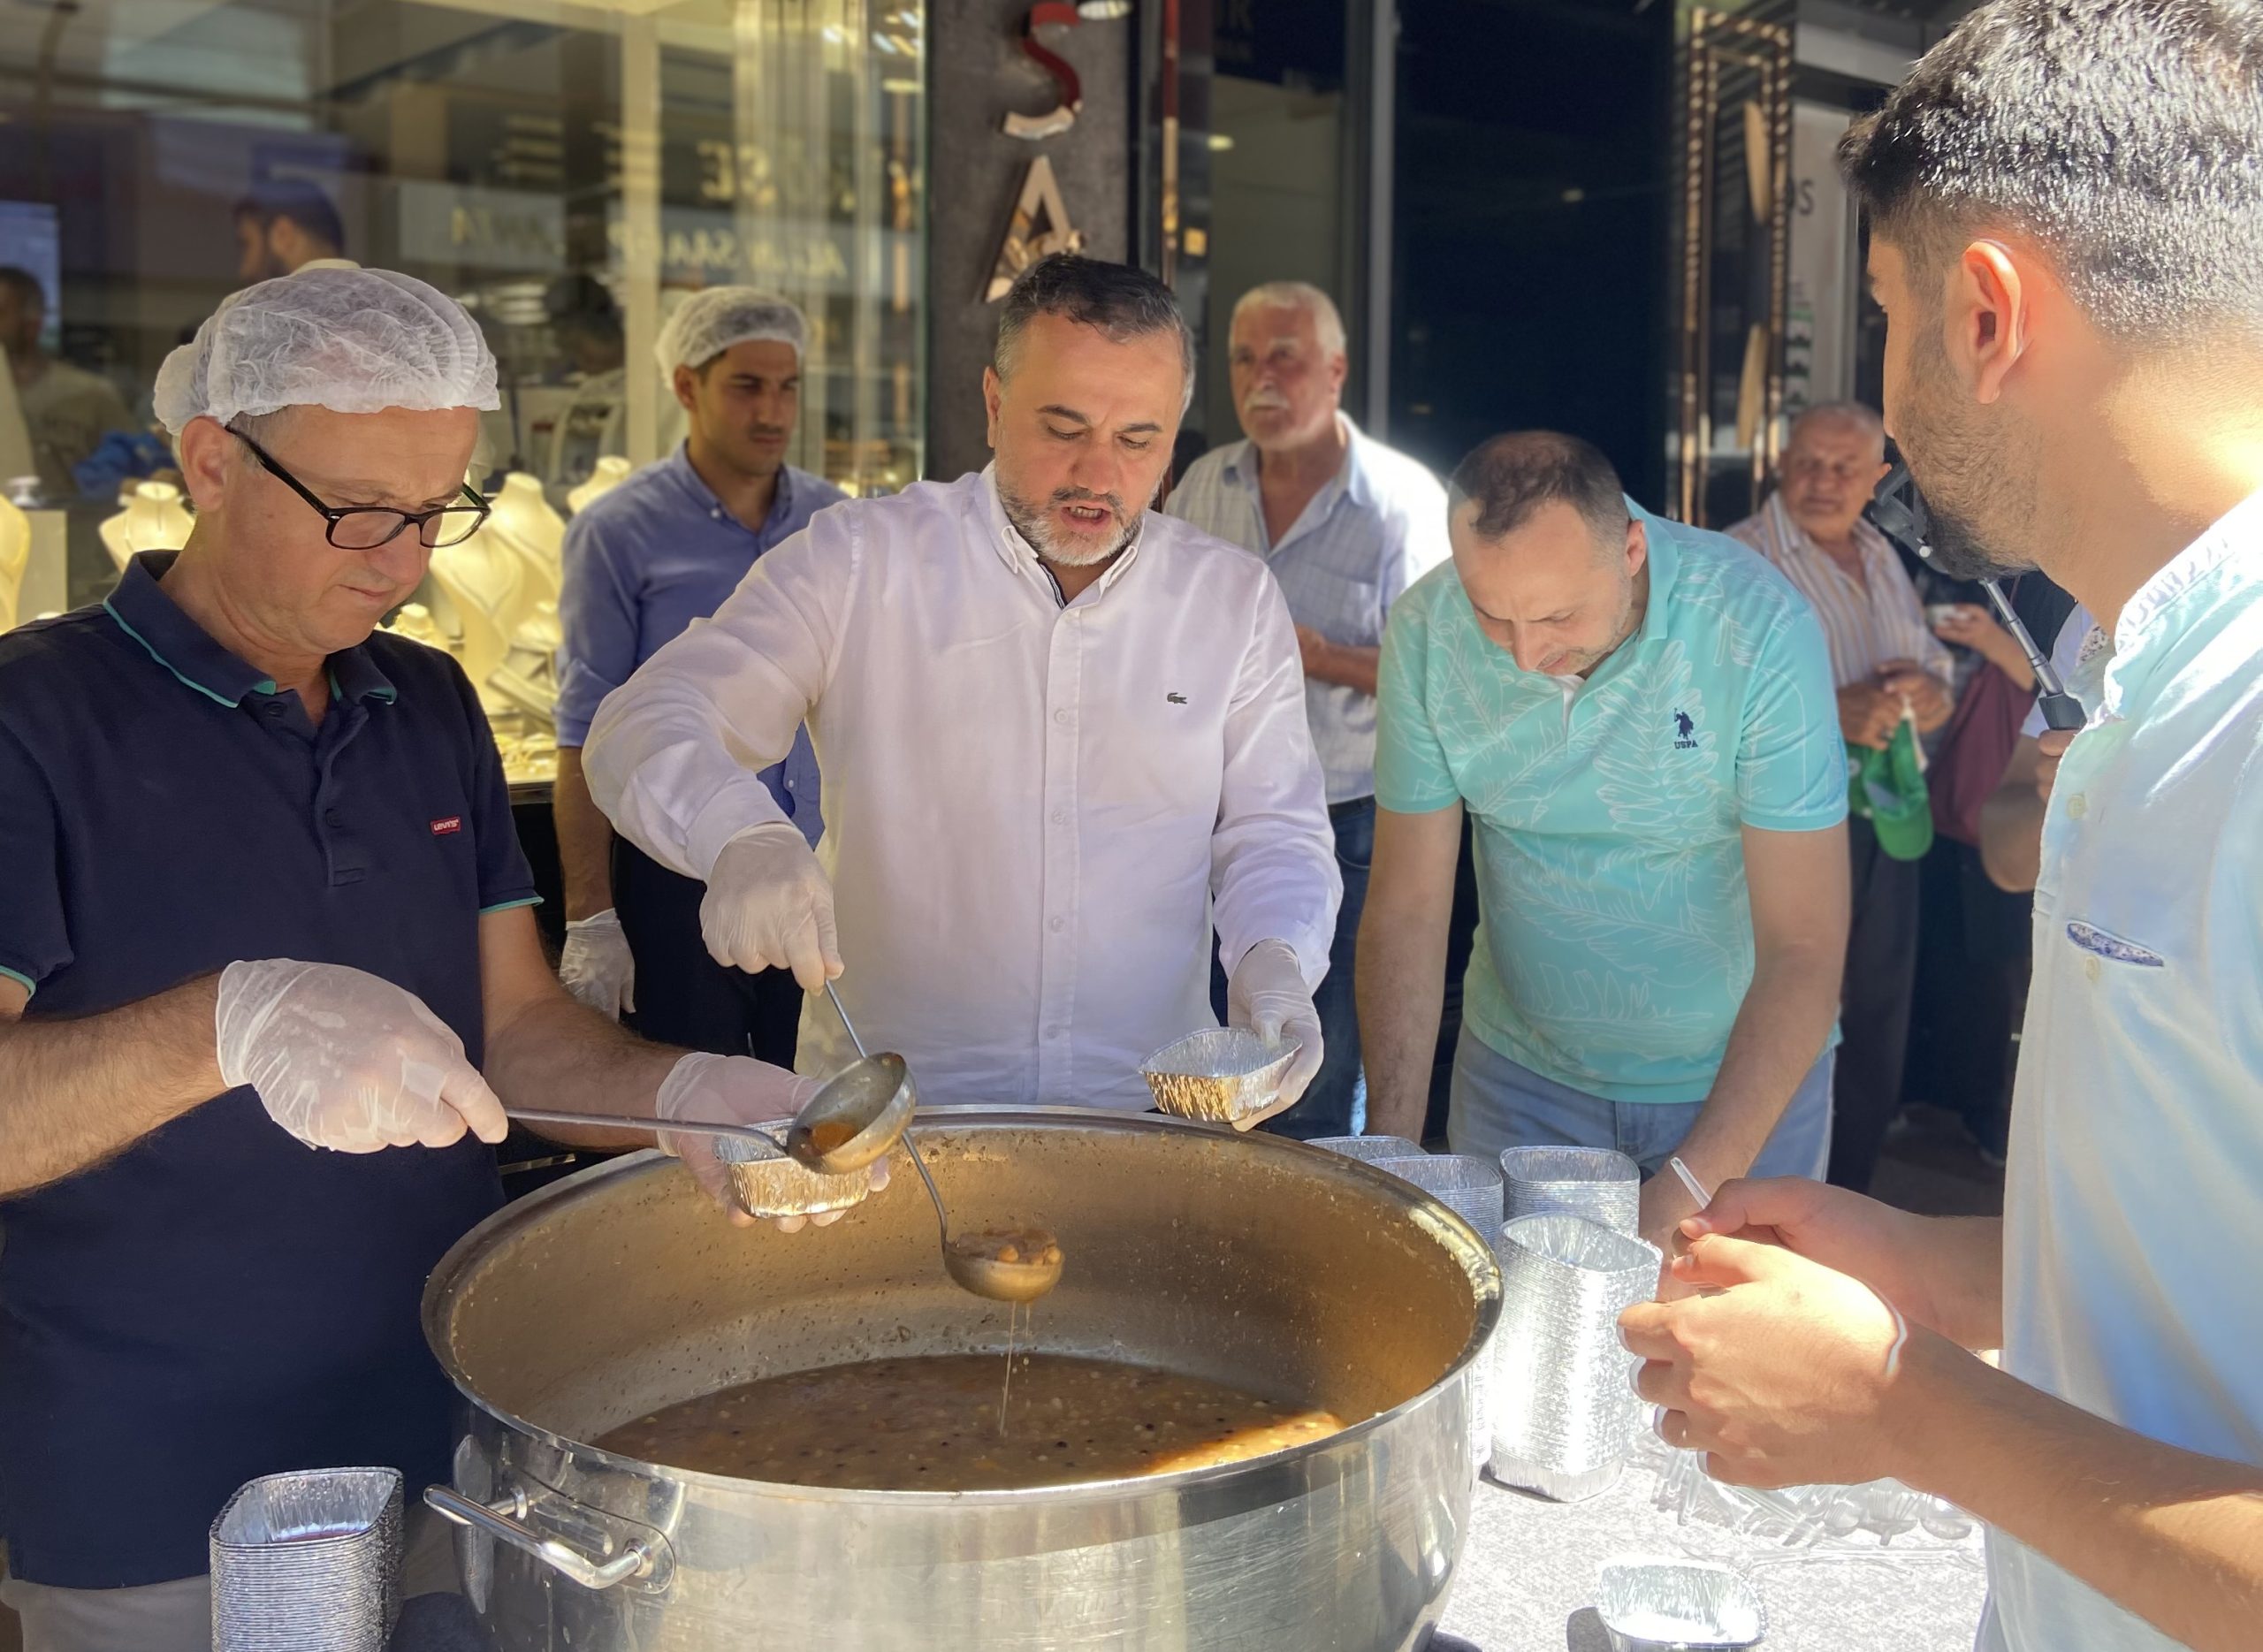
{"x": 144, "y": 613}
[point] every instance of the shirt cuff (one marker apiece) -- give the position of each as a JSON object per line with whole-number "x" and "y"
{"x": 1804, "y": 820}
{"x": 745, "y": 802}
{"x": 30, "y": 985}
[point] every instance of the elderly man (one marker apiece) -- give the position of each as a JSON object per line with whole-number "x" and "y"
{"x": 1347, "y": 524}
{"x": 1061, "y": 736}
{"x": 1639, "y": 717}
{"x": 2070, "y": 373}
{"x": 1887, "y": 665}
{"x": 67, "y": 410}
{"x": 664, "y": 548}
{"x": 263, "y": 900}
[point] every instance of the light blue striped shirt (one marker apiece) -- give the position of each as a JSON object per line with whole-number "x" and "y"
{"x": 1374, "y": 530}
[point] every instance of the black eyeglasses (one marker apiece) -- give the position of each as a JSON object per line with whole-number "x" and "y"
{"x": 366, "y": 527}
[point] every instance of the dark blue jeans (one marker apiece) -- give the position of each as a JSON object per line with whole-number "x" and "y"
{"x": 1338, "y": 1099}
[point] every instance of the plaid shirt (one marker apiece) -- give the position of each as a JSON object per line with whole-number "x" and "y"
{"x": 1378, "y": 526}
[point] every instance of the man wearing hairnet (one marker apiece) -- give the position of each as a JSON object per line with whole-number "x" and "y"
{"x": 664, "y": 548}
{"x": 264, "y": 924}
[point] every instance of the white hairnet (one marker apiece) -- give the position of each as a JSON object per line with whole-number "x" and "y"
{"x": 707, "y": 324}
{"x": 351, "y": 340}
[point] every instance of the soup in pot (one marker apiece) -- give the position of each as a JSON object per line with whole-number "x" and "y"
{"x": 934, "y": 1424}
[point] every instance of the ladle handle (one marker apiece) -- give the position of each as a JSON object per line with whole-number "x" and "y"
{"x": 942, "y": 1221}
{"x": 673, "y": 1126}
{"x": 862, "y": 1054}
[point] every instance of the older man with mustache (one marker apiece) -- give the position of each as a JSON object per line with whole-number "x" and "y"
{"x": 1062, "y": 737}
{"x": 1347, "y": 524}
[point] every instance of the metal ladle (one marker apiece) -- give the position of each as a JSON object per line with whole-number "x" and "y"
{"x": 848, "y": 1126}
{"x": 973, "y": 1268}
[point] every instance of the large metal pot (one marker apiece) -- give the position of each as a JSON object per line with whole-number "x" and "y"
{"x": 1253, "y": 1260}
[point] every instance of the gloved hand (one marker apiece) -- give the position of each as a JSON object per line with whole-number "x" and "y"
{"x": 596, "y": 965}
{"x": 345, "y": 1060}
{"x": 737, "y": 1090}
{"x": 768, "y": 906}
{"x": 1266, "y": 993}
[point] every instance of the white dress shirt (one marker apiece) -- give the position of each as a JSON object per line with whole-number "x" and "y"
{"x": 1378, "y": 526}
{"x": 1030, "y": 808}
{"x": 2133, "y": 1207}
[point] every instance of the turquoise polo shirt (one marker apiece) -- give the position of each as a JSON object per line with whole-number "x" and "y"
{"x": 1614, "y": 942}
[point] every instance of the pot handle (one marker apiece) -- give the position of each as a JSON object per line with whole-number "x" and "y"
{"x": 644, "y": 1560}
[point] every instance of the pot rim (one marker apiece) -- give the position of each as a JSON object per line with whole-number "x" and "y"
{"x": 1460, "y": 1239}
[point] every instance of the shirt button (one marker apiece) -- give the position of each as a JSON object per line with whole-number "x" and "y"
{"x": 332, "y": 818}
{"x": 1061, "y": 716}
{"x": 2093, "y": 968}
{"x": 1055, "y": 1032}
{"x": 1060, "y": 817}
{"x": 2078, "y": 806}
{"x": 1058, "y": 924}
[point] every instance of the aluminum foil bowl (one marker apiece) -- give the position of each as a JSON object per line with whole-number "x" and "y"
{"x": 1371, "y": 1148}
{"x": 1222, "y": 1074}
{"x": 771, "y": 1184}
{"x": 1678, "y": 1606}
{"x": 1471, "y": 1187}
{"x": 307, "y": 1562}
{"x": 1596, "y": 1183}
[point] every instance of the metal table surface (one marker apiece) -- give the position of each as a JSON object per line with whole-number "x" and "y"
{"x": 1528, "y": 1578}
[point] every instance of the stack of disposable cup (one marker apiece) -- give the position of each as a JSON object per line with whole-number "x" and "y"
{"x": 307, "y": 1562}
{"x": 1564, "y": 1408}
{"x": 1471, "y": 1188}
{"x": 1370, "y": 1148}
{"x": 1595, "y": 1183}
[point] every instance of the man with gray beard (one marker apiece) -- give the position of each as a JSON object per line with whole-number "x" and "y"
{"x": 1061, "y": 735}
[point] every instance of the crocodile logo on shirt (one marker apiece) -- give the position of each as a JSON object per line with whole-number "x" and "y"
{"x": 1685, "y": 731}
{"x": 1176, "y": 699}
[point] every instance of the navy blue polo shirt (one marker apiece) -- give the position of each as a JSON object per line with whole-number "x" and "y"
{"x": 220, "y": 1300}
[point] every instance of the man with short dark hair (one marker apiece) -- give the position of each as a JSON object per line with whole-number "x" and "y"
{"x": 664, "y": 548}
{"x": 284, "y": 225}
{"x": 1347, "y": 524}
{"x": 1060, "y": 734}
{"x": 67, "y": 411}
{"x": 2066, "y": 201}
{"x": 1639, "y": 718}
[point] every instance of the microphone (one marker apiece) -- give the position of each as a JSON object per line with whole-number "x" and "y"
{"x": 1898, "y": 511}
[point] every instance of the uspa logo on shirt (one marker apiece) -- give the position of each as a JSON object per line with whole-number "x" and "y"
{"x": 1685, "y": 731}
{"x": 446, "y": 823}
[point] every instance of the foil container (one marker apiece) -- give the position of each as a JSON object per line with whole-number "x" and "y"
{"x": 769, "y": 1183}
{"x": 1222, "y": 1074}
{"x": 307, "y": 1562}
{"x": 1564, "y": 1408}
{"x": 1471, "y": 1188}
{"x": 1368, "y": 1148}
{"x": 1595, "y": 1183}
{"x": 1678, "y": 1606}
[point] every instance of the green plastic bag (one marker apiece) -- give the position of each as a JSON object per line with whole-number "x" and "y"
{"x": 1888, "y": 789}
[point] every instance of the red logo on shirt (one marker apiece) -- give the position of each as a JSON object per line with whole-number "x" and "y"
{"x": 452, "y": 823}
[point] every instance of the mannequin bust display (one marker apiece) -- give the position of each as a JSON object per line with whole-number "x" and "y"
{"x": 152, "y": 519}
{"x": 612, "y": 470}
{"x": 479, "y": 596}
{"x": 522, "y": 519}
{"x": 15, "y": 557}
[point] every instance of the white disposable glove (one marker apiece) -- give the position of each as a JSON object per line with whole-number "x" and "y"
{"x": 1266, "y": 993}
{"x": 345, "y": 1060}
{"x": 768, "y": 906}
{"x": 736, "y": 1090}
{"x": 596, "y": 965}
